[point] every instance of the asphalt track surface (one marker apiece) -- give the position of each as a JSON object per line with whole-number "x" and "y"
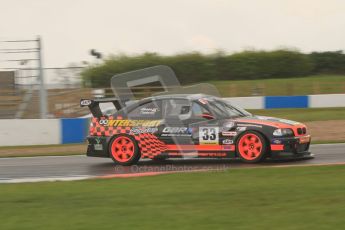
{"x": 51, "y": 168}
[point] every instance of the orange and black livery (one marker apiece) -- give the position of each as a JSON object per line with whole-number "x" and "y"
{"x": 190, "y": 125}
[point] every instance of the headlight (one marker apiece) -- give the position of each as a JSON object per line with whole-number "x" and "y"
{"x": 283, "y": 132}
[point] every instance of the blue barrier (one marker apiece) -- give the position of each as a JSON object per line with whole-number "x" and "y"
{"x": 73, "y": 130}
{"x": 275, "y": 102}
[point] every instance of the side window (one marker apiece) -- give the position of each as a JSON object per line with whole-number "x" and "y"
{"x": 198, "y": 110}
{"x": 184, "y": 110}
{"x": 150, "y": 110}
{"x": 176, "y": 108}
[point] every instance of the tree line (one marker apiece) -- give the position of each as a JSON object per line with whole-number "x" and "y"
{"x": 197, "y": 67}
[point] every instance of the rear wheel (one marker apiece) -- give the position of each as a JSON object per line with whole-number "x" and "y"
{"x": 251, "y": 147}
{"x": 124, "y": 150}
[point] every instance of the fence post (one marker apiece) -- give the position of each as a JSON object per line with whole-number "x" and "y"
{"x": 43, "y": 94}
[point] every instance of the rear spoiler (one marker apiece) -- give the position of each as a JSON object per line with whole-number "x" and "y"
{"x": 93, "y": 105}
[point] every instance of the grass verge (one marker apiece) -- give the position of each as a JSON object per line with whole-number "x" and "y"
{"x": 260, "y": 198}
{"x": 303, "y": 115}
{"x": 42, "y": 150}
{"x": 317, "y": 84}
{"x": 40, "y": 154}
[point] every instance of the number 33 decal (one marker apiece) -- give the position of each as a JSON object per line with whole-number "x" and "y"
{"x": 208, "y": 135}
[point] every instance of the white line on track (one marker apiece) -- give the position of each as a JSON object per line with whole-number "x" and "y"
{"x": 29, "y": 157}
{"x": 328, "y": 144}
{"x": 44, "y": 179}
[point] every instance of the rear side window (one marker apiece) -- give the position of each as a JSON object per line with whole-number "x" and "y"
{"x": 150, "y": 110}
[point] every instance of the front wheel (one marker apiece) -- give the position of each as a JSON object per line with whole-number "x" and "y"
{"x": 251, "y": 147}
{"x": 124, "y": 150}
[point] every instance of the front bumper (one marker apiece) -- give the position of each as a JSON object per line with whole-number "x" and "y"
{"x": 291, "y": 147}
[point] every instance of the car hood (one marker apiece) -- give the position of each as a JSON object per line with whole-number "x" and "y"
{"x": 270, "y": 121}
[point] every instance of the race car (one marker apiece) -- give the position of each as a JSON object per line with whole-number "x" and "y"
{"x": 190, "y": 125}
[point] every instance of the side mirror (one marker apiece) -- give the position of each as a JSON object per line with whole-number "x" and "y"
{"x": 207, "y": 116}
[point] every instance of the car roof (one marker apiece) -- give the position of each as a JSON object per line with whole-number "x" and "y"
{"x": 179, "y": 96}
{"x": 191, "y": 97}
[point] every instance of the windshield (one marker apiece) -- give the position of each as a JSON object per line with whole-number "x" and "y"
{"x": 223, "y": 109}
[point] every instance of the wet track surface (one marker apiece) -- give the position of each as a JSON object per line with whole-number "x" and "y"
{"x": 38, "y": 168}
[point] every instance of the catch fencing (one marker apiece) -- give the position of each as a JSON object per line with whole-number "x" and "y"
{"x": 17, "y": 132}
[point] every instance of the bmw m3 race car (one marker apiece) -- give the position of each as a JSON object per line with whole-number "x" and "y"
{"x": 179, "y": 122}
{"x": 194, "y": 125}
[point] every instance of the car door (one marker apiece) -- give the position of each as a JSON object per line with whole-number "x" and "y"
{"x": 204, "y": 124}
{"x": 174, "y": 131}
{"x": 188, "y": 123}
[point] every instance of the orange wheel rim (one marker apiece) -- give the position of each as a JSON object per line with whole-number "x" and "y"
{"x": 250, "y": 146}
{"x": 122, "y": 149}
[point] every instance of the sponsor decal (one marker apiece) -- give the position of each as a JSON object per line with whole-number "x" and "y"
{"x": 212, "y": 154}
{"x": 98, "y": 146}
{"x": 241, "y": 129}
{"x": 227, "y": 142}
{"x": 149, "y": 111}
{"x": 250, "y": 125}
{"x": 228, "y": 147}
{"x": 98, "y": 140}
{"x": 229, "y": 133}
{"x": 176, "y": 131}
{"x": 140, "y": 130}
{"x": 276, "y": 141}
{"x": 229, "y": 124}
{"x": 208, "y": 135}
{"x": 85, "y": 102}
{"x": 130, "y": 123}
{"x": 104, "y": 122}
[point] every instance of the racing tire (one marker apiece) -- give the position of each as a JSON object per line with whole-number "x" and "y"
{"x": 251, "y": 147}
{"x": 124, "y": 150}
